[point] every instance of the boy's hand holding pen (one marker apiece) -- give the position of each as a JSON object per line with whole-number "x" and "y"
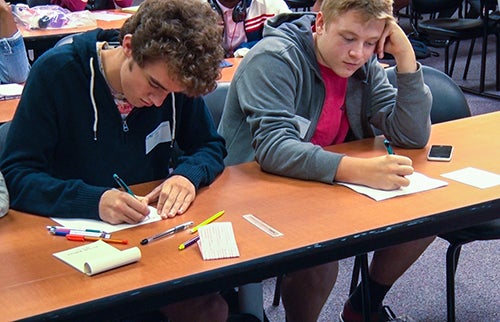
{"x": 117, "y": 207}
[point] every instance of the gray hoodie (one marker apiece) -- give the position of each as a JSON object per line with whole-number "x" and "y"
{"x": 4, "y": 197}
{"x": 276, "y": 96}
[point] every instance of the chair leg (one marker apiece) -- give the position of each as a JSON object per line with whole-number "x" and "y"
{"x": 277, "y": 291}
{"x": 365, "y": 288}
{"x": 446, "y": 60}
{"x": 355, "y": 274}
{"x": 452, "y": 255}
{"x": 469, "y": 58}
{"x": 361, "y": 265}
{"x": 498, "y": 62}
{"x": 455, "y": 52}
{"x": 483, "y": 63}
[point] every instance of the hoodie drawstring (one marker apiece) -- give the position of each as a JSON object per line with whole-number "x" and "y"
{"x": 92, "y": 99}
{"x": 173, "y": 120}
{"x": 96, "y": 115}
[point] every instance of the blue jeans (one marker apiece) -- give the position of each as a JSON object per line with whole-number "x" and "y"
{"x": 14, "y": 65}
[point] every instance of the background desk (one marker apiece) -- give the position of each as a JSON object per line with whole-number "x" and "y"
{"x": 38, "y": 41}
{"x": 320, "y": 223}
{"x": 227, "y": 73}
{"x": 7, "y": 109}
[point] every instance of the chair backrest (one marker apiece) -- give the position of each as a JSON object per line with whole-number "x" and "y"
{"x": 400, "y": 4}
{"x": 433, "y": 6}
{"x": 215, "y": 101}
{"x": 4, "y": 129}
{"x": 448, "y": 100}
{"x": 65, "y": 40}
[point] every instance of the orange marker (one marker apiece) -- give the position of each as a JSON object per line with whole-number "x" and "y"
{"x": 88, "y": 238}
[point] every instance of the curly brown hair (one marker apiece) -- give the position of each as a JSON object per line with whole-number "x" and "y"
{"x": 182, "y": 33}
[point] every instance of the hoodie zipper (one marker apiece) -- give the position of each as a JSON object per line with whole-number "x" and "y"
{"x": 125, "y": 125}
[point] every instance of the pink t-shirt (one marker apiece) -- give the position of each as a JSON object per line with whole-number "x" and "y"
{"x": 333, "y": 124}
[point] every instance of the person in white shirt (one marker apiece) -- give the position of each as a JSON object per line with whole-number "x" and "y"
{"x": 242, "y": 21}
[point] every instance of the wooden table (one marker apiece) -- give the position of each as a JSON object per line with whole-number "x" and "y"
{"x": 228, "y": 72}
{"x": 38, "y": 41}
{"x": 7, "y": 109}
{"x": 104, "y": 24}
{"x": 320, "y": 223}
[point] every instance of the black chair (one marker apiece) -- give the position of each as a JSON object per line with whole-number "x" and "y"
{"x": 448, "y": 100}
{"x": 295, "y": 5}
{"x": 487, "y": 231}
{"x": 216, "y": 99}
{"x": 442, "y": 32}
{"x": 65, "y": 40}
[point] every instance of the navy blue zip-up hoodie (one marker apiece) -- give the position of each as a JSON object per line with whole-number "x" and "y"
{"x": 67, "y": 137}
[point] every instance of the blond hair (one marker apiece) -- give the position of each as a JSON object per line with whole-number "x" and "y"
{"x": 369, "y": 9}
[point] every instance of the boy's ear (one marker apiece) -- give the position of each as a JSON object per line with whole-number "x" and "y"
{"x": 320, "y": 23}
{"x": 127, "y": 45}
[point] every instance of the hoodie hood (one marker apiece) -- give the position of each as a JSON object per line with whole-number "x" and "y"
{"x": 286, "y": 26}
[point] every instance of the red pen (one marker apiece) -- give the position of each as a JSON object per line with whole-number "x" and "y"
{"x": 89, "y": 238}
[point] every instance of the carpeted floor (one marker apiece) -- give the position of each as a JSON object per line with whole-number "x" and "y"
{"x": 421, "y": 292}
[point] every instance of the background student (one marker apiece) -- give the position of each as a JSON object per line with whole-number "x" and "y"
{"x": 300, "y": 89}
{"x": 89, "y": 110}
{"x": 14, "y": 65}
{"x": 4, "y": 197}
{"x": 79, "y": 5}
{"x": 242, "y": 21}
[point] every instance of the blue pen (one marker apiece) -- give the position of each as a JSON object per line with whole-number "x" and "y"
{"x": 123, "y": 185}
{"x": 388, "y": 146}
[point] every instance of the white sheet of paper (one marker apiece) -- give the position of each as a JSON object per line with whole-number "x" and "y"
{"x": 9, "y": 90}
{"x": 132, "y": 9}
{"x": 474, "y": 177}
{"x": 418, "y": 183}
{"x": 98, "y": 257}
{"x": 104, "y": 226}
{"x": 108, "y": 16}
{"x": 217, "y": 241}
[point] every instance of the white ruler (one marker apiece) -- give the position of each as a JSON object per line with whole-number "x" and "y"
{"x": 262, "y": 225}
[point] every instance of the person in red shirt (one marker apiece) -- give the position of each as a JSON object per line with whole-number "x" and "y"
{"x": 79, "y": 5}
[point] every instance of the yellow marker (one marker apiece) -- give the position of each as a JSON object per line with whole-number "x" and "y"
{"x": 206, "y": 222}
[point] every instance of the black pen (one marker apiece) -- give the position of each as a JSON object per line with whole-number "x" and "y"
{"x": 123, "y": 185}
{"x": 388, "y": 146}
{"x": 169, "y": 232}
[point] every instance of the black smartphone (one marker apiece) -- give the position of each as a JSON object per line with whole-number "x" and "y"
{"x": 440, "y": 153}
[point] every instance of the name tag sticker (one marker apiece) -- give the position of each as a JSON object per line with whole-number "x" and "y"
{"x": 160, "y": 135}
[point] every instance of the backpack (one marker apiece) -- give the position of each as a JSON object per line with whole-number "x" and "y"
{"x": 421, "y": 50}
